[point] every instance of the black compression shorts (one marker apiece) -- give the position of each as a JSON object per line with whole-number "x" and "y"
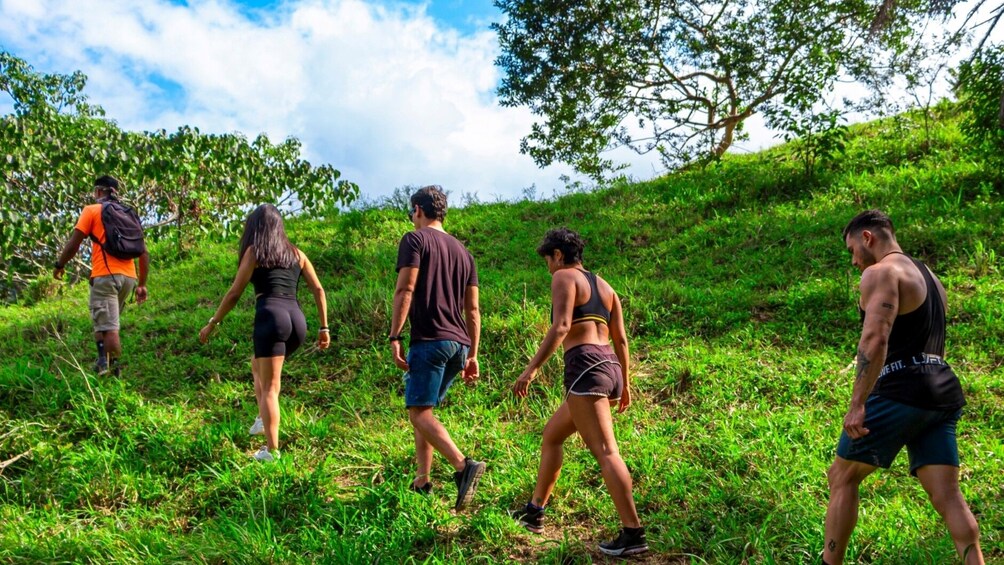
{"x": 279, "y": 326}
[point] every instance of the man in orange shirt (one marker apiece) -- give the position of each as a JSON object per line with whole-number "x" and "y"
{"x": 112, "y": 279}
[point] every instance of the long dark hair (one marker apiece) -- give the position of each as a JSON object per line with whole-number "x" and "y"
{"x": 265, "y": 231}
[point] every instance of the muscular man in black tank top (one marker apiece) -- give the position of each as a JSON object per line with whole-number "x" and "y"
{"x": 904, "y": 393}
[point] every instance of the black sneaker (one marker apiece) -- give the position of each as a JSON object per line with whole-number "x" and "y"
{"x": 467, "y": 481}
{"x": 631, "y": 541}
{"x": 424, "y": 489}
{"x": 101, "y": 366}
{"x": 530, "y": 517}
{"x": 116, "y": 369}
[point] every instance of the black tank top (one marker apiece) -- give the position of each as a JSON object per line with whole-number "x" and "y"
{"x": 593, "y": 310}
{"x": 276, "y": 281}
{"x": 915, "y": 372}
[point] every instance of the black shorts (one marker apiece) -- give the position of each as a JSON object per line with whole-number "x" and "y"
{"x": 279, "y": 326}
{"x": 929, "y": 435}
{"x": 593, "y": 370}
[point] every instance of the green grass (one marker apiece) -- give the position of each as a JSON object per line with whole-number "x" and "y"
{"x": 739, "y": 298}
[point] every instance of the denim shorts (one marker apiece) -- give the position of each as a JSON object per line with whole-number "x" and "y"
{"x": 929, "y": 435}
{"x": 432, "y": 366}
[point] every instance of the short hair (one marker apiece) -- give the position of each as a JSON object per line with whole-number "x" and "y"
{"x": 875, "y": 220}
{"x": 432, "y": 200}
{"x": 570, "y": 243}
{"x": 107, "y": 182}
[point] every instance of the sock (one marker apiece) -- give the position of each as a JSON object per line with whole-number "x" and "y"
{"x": 101, "y": 349}
{"x": 534, "y": 507}
{"x": 634, "y": 531}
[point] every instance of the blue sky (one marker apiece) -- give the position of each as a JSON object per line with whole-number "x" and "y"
{"x": 464, "y": 15}
{"x": 391, "y": 93}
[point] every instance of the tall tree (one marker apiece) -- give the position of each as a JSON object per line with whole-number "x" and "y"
{"x": 678, "y": 77}
{"x": 55, "y": 143}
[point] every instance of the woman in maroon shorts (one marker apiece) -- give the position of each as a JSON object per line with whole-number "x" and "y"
{"x": 585, "y": 315}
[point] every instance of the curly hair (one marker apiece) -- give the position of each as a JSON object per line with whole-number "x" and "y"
{"x": 874, "y": 220}
{"x": 432, "y": 200}
{"x": 570, "y": 243}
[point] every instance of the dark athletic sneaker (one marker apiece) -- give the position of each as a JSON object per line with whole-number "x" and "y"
{"x": 101, "y": 366}
{"x": 424, "y": 489}
{"x": 629, "y": 542}
{"x": 529, "y": 517}
{"x": 467, "y": 481}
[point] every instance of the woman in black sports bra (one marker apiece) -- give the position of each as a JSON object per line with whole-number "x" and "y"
{"x": 273, "y": 265}
{"x": 585, "y": 315}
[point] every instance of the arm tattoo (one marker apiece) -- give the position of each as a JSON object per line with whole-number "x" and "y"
{"x": 887, "y": 305}
{"x": 863, "y": 363}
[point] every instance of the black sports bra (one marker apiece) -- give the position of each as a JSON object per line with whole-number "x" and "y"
{"x": 593, "y": 310}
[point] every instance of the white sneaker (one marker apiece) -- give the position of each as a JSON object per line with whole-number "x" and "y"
{"x": 264, "y": 454}
{"x": 258, "y": 428}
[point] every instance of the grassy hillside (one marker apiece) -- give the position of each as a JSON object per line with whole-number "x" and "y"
{"x": 739, "y": 298}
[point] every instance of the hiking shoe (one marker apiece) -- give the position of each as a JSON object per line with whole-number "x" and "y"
{"x": 467, "y": 481}
{"x": 530, "y": 517}
{"x": 424, "y": 489}
{"x": 264, "y": 454}
{"x": 631, "y": 541}
{"x": 101, "y": 366}
{"x": 258, "y": 428}
{"x": 116, "y": 369}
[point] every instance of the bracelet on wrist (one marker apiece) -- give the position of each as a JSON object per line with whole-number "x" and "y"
{"x": 324, "y": 330}
{"x": 58, "y": 265}
{"x": 397, "y": 337}
{"x": 214, "y": 322}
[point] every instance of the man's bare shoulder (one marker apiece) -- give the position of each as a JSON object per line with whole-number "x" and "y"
{"x": 882, "y": 272}
{"x": 897, "y": 275}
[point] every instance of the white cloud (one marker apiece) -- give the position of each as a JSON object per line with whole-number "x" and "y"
{"x": 383, "y": 92}
{"x": 378, "y": 89}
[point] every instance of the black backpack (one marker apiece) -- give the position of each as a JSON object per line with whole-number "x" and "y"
{"x": 123, "y": 230}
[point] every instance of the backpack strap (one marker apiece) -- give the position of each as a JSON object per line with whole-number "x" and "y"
{"x": 103, "y": 202}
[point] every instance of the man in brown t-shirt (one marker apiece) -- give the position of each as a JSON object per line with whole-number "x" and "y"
{"x": 112, "y": 279}
{"x": 437, "y": 288}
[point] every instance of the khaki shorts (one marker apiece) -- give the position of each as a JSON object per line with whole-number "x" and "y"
{"x": 108, "y": 297}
